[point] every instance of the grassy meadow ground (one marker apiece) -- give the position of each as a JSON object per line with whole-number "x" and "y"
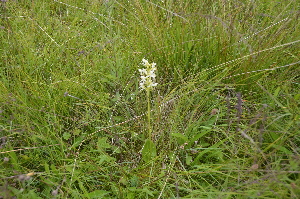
{"x": 225, "y": 115}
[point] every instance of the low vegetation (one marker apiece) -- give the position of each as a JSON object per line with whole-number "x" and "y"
{"x": 221, "y": 120}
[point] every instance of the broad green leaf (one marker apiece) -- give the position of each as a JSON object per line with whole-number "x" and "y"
{"x": 66, "y": 135}
{"x": 297, "y": 97}
{"x": 188, "y": 159}
{"x": 277, "y": 91}
{"x": 102, "y": 143}
{"x": 105, "y": 158}
{"x": 182, "y": 138}
{"x": 149, "y": 151}
{"x": 97, "y": 194}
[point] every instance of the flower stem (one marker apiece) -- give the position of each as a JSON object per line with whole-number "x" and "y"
{"x": 149, "y": 114}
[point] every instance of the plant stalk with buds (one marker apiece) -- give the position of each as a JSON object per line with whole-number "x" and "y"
{"x": 147, "y": 83}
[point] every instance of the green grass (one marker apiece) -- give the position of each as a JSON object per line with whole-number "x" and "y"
{"x": 225, "y": 114}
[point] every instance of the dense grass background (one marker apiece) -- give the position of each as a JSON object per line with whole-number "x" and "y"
{"x": 225, "y": 115}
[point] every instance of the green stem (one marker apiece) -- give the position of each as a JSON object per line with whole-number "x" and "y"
{"x": 149, "y": 113}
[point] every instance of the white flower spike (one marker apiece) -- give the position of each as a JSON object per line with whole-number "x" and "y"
{"x": 147, "y": 75}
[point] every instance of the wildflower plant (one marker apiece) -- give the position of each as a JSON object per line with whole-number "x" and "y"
{"x": 147, "y": 83}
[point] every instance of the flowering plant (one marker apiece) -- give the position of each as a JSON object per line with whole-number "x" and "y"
{"x": 147, "y": 83}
